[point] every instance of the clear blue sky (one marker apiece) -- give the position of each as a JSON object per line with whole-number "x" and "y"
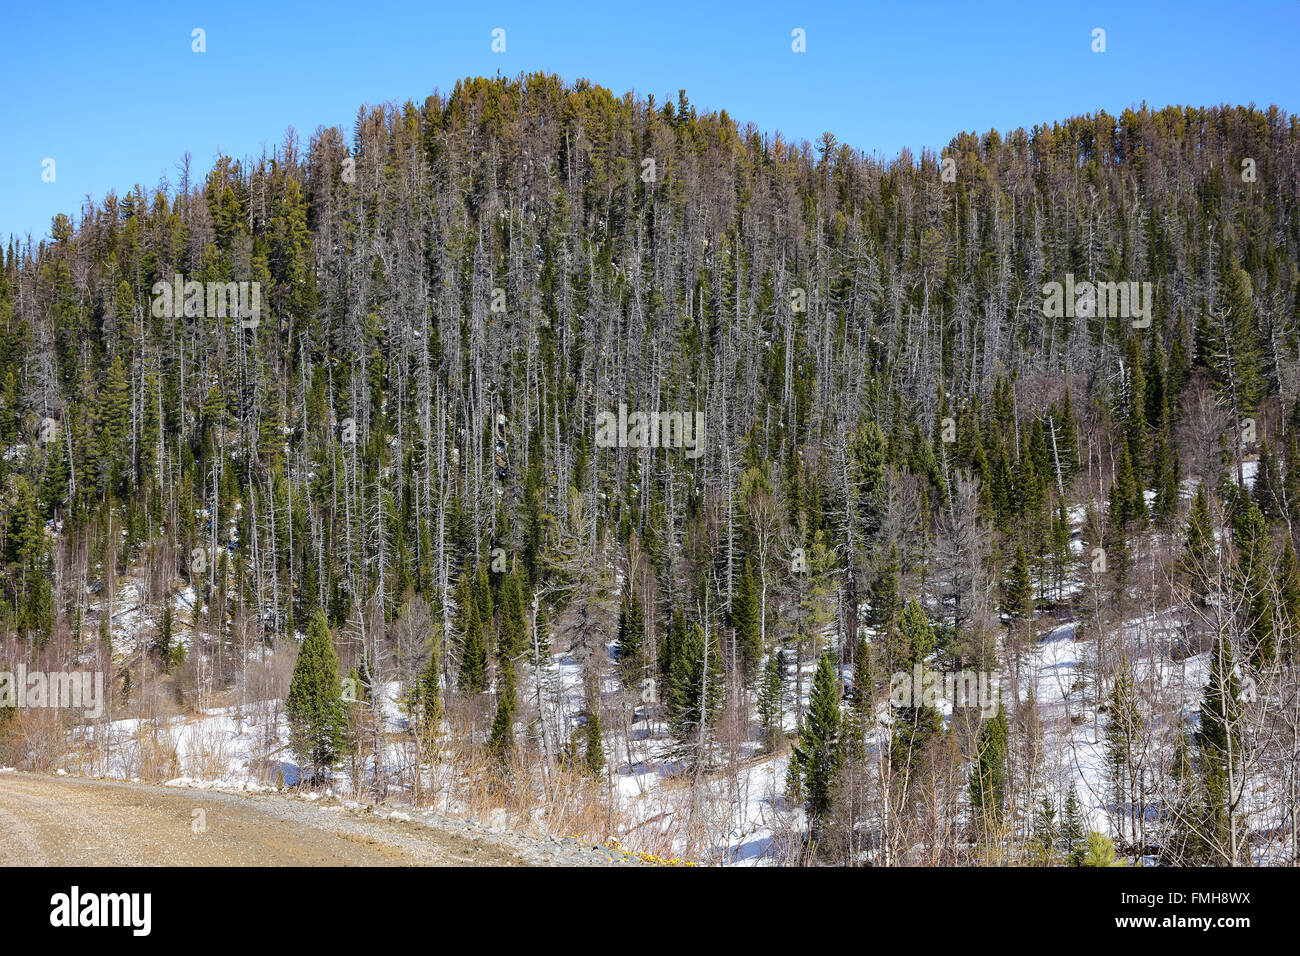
{"x": 113, "y": 93}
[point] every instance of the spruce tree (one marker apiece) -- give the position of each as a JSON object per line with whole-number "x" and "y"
{"x": 1181, "y": 842}
{"x": 501, "y": 739}
{"x": 988, "y": 779}
{"x": 745, "y": 623}
{"x": 694, "y": 684}
{"x": 771, "y": 699}
{"x": 594, "y": 758}
{"x": 428, "y": 693}
{"x": 883, "y": 603}
{"x": 1288, "y": 605}
{"x": 631, "y": 636}
{"x": 1046, "y": 834}
{"x": 1123, "y": 733}
{"x": 1072, "y": 837}
{"x": 514, "y": 639}
{"x": 1253, "y": 580}
{"x": 165, "y": 629}
{"x": 1017, "y": 591}
{"x": 1197, "y": 566}
{"x": 818, "y": 749}
{"x": 473, "y": 644}
{"x": 314, "y": 705}
{"x": 1218, "y": 743}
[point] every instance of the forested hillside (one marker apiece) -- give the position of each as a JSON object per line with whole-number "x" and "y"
{"x": 601, "y": 463}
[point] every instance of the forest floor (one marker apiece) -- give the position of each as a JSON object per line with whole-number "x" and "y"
{"x": 68, "y": 821}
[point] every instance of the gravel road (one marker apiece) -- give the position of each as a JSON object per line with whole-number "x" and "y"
{"x": 68, "y": 821}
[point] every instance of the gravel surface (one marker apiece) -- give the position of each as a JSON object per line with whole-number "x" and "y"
{"x": 71, "y": 821}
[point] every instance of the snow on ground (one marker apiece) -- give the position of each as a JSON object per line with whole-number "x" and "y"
{"x": 234, "y": 748}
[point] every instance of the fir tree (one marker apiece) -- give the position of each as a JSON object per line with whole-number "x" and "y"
{"x": 988, "y": 784}
{"x": 818, "y": 749}
{"x": 594, "y": 758}
{"x": 1046, "y": 834}
{"x": 745, "y": 623}
{"x": 883, "y": 603}
{"x": 428, "y": 693}
{"x": 165, "y": 628}
{"x": 631, "y": 636}
{"x": 771, "y": 699}
{"x": 1288, "y": 605}
{"x": 1217, "y": 742}
{"x": 501, "y": 739}
{"x": 473, "y": 644}
{"x": 1197, "y": 565}
{"x": 514, "y": 639}
{"x": 1017, "y": 591}
{"x": 694, "y": 684}
{"x": 1254, "y": 580}
{"x": 1123, "y": 735}
{"x": 314, "y": 705}
{"x": 1072, "y": 838}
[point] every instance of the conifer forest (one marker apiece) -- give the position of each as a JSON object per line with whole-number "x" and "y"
{"x": 606, "y": 467}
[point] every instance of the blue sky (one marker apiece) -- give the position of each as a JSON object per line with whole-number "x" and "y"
{"x": 116, "y": 97}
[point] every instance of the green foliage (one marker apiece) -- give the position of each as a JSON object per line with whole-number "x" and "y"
{"x": 501, "y": 739}
{"x": 631, "y": 636}
{"x": 817, "y": 753}
{"x": 745, "y": 623}
{"x": 314, "y": 705}
{"x": 771, "y": 699}
{"x": 594, "y": 757}
{"x": 988, "y": 780}
{"x": 473, "y": 642}
{"x": 695, "y": 686}
{"x": 1099, "y": 850}
{"x": 1072, "y": 832}
{"x": 1219, "y": 747}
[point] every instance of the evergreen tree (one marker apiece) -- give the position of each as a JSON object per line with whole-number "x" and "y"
{"x": 165, "y": 629}
{"x": 1099, "y": 850}
{"x": 771, "y": 699}
{"x": 1072, "y": 838}
{"x": 818, "y": 749}
{"x": 1197, "y": 566}
{"x": 916, "y": 727}
{"x": 1254, "y": 580}
{"x": 473, "y": 643}
{"x": 1123, "y": 733}
{"x": 1181, "y": 841}
{"x": 694, "y": 684}
{"x": 988, "y": 783}
{"x": 428, "y": 693}
{"x": 1288, "y": 605}
{"x": 314, "y": 705}
{"x": 1046, "y": 834}
{"x": 514, "y": 638}
{"x": 745, "y": 623}
{"x": 594, "y": 759}
{"x": 1217, "y": 742}
{"x": 631, "y": 636}
{"x": 1165, "y": 471}
{"x": 916, "y": 639}
{"x": 883, "y": 603}
{"x": 501, "y": 739}
{"x": 1017, "y": 591}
